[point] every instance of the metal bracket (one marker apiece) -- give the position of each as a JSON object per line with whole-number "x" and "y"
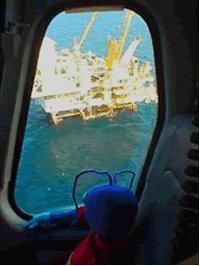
{"x": 13, "y": 27}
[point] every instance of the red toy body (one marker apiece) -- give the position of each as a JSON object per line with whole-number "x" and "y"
{"x": 89, "y": 252}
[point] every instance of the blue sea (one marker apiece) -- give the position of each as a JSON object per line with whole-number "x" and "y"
{"x": 53, "y": 155}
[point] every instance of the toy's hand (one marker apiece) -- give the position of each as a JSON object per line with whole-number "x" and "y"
{"x": 47, "y": 219}
{"x": 41, "y": 219}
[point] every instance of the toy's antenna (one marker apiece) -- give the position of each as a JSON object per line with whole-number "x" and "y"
{"x": 85, "y": 172}
{"x": 122, "y": 172}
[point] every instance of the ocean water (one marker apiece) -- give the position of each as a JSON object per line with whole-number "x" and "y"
{"x": 52, "y": 156}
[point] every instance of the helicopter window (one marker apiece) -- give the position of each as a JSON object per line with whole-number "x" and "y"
{"x": 111, "y": 132}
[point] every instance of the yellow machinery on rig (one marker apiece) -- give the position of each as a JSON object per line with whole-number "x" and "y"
{"x": 116, "y": 46}
{"x": 113, "y": 52}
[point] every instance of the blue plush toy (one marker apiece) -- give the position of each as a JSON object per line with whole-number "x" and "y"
{"x": 110, "y": 211}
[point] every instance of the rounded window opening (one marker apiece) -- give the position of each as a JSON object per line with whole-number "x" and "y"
{"x": 96, "y": 109}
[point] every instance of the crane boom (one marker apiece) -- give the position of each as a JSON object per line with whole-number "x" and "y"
{"x": 116, "y": 46}
{"x": 131, "y": 49}
{"x": 87, "y": 28}
{"x": 124, "y": 32}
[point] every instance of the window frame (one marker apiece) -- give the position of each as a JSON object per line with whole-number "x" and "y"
{"x": 37, "y": 40}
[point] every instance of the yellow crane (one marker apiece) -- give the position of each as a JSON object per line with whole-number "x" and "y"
{"x": 116, "y": 46}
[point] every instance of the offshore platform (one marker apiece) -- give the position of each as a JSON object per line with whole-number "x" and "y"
{"x": 70, "y": 84}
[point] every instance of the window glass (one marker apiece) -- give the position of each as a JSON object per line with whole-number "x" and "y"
{"x": 94, "y": 106}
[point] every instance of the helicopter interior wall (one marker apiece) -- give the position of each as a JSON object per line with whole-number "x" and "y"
{"x": 176, "y": 55}
{"x": 2, "y": 25}
{"x": 159, "y": 203}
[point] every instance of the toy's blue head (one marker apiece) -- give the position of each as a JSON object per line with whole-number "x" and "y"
{"x": 111, "y": 209}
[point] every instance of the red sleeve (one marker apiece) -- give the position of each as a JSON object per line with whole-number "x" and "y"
{"x": 83, "y": 254}
{"x": 82, "y": 222}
